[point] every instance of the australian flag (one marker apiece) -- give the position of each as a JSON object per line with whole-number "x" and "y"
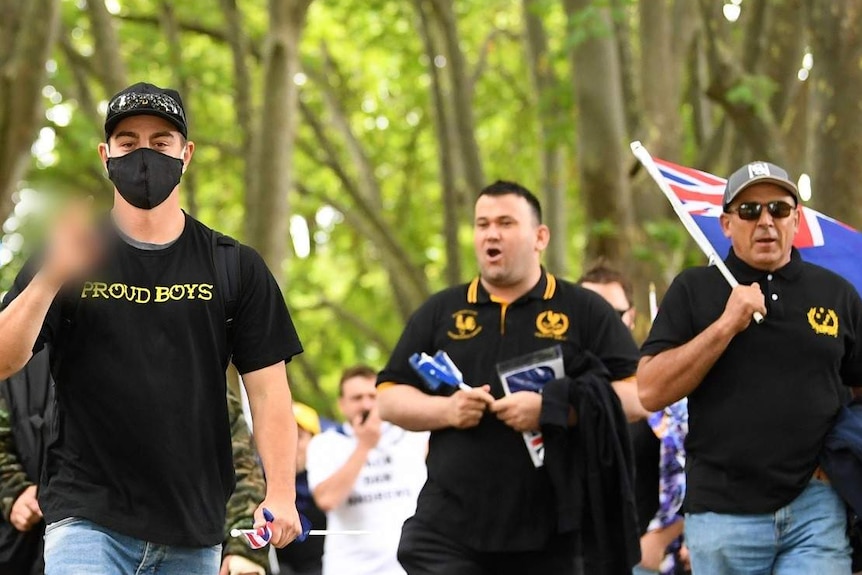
{"x": 821, "y": 240}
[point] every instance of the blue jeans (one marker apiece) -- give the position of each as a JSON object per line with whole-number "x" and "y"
{"x": 77, "y": 546}
{"x": 806, "y": 537}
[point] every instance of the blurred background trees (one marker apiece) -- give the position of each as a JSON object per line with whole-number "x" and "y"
{"x": 346, "y": 139}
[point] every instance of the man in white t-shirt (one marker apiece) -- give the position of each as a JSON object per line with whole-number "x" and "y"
{"x": 366, "y": 475}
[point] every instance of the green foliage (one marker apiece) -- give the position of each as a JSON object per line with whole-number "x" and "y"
{"x": 588, "y": 23}
{"x": 753, "y": 90}
{"x": 367, "y": 60}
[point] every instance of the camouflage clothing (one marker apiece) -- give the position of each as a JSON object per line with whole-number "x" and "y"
{"x": 13, "y": 478}
{"x": 23, "y": 401}
{"x": 250, "y": 485}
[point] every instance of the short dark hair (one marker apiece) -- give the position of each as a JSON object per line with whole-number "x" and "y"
{"x": 360, "y": 370}
{"x": 601, "y": 272}
{"x": 503, "y": 188}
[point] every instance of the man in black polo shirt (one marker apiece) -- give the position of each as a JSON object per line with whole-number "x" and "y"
{"x": 486, "y": 509}
{"x": 761, "y": 397}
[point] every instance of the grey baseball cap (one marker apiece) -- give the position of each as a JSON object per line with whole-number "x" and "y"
{"x": 754, "y": 173}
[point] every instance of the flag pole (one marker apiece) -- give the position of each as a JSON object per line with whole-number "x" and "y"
{"x": 684, "y": 216}
{"x": 653, "y": 303}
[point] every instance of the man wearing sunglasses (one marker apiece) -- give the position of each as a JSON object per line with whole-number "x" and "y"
{"x": 761, "y": 396}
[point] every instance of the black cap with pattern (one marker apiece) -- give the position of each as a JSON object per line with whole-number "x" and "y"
{"x": 756, "y": 172}
{"x": 143, "y": 98}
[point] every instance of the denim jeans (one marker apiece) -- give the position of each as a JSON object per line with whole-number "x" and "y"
{"x": 76, "y": 546}
{"x": 806, "y": 537}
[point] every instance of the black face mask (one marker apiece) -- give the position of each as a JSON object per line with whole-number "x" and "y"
{"x": 145, "y": 178}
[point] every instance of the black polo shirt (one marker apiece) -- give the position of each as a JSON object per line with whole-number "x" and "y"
{"x": 758, "y": 418}
{"x": 482, "y": 488}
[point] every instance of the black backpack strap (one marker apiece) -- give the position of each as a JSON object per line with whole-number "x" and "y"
{"x": 225, "y": 253}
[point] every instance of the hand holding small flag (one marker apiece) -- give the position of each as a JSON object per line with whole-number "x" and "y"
{"x": 259, "y": 537}
{"x": 438, "y": 370}
{"x": 466, "y": 409}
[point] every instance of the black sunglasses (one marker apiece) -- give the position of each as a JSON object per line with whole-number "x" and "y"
{"x": 752, "y": 210}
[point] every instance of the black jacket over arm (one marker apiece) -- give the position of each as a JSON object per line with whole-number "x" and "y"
{"x": 591, "y": 467}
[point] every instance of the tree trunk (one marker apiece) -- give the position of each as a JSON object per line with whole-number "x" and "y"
{"x": 547, "y": 89}
{"x": 629, "y": 72}
{"x": 448, "y": 176}
{"x": 111, "y": 69}
{"x": 243, "y": 103}
{"x": 601, "y": 135}
{"x": 408, "y": 282}
{"x": 28, "y": 30}
{"x": 277, "y": 132}
{"x": 462, "y": 96}
{"x": 734, "y": 87}
{"x": 180, "y": 83}
{"x": 837, "y": 81}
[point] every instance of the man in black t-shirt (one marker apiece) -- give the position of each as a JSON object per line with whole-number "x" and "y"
{"x": 487, "y": 508}
{"x": 140, "y": 467}
{"x": 761, "y": 398}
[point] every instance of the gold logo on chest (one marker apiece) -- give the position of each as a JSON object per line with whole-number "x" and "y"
{"x": 823, "y": 321}
{"x": 466, "y": 325}
{"x": 552, "y": 324}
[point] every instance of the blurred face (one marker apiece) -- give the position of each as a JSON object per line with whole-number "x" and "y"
{"x": 615, "y": 295}
{"x": 359, "y": 395}
{"x": 765, "y": 242}
{"x": 508, "y": 242}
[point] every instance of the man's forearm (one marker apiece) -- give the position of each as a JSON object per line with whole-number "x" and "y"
{"x": 335, "y": 490}
{"x": 21, "y": 322}
{"x": 673, "y": 374}
{"x": 410, "y": 408}
{"x": 627, "y": 391}
{"x": 274, "y": 428}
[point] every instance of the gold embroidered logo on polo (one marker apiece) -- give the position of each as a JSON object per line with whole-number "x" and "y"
{"x": 823, "y": 321}
{"x": 552, "y": 324}
{"x": 466, "y": 325}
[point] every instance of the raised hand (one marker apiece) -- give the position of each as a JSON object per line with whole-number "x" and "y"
{"x": 74, "y": 243}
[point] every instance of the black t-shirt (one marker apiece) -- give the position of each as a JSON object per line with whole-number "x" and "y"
{"x": 758, "y": 418}
{"x": 482, "y": 487}
{"x": 143, "y": 439}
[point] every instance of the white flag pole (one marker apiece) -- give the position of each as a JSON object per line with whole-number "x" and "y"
{"x": 687, "y": 221}
{"x": 653, "y": 303}
{"x": 312, "y": 532}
